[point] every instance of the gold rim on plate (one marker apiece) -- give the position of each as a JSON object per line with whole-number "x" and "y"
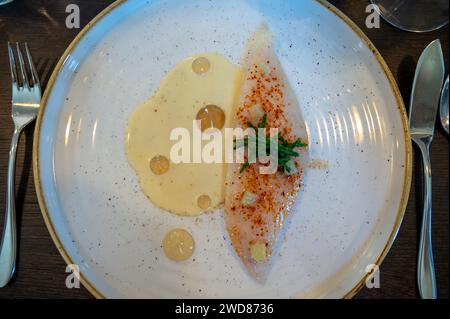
{"x": 408, "y": 147}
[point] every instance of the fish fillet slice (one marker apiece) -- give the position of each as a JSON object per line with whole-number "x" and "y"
{"x": 254, "y": 229}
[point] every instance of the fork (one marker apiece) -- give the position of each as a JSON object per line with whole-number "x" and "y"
{"x": 26, "y": 99}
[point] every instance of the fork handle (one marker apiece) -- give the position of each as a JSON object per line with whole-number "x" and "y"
{"x": 426, "y": 277}
{"x": 8, "y": 244}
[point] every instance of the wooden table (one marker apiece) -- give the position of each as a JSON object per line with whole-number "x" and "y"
{"x": 40, "y": 268}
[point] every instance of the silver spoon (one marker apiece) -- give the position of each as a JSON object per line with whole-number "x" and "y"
{"x": 444, "y": 106}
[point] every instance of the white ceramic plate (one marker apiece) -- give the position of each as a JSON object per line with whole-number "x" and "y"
{"x": 347, "y": 215}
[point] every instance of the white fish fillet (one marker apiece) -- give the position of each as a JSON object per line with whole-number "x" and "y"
{"x": 255, "y": 229}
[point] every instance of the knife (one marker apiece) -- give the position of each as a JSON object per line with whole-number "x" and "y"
{"x": 422, "y": 116}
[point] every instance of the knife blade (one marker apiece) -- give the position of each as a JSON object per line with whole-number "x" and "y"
{"x": 423, "y": 110}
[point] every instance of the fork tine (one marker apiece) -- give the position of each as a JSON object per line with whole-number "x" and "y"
{"x": 12, "y": 64}
{"x": 23, "y": 71}
{"x": 34, "y": 75}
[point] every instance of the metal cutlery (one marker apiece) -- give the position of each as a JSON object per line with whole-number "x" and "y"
{"x": 444, "y": 106}
{"x": 423, "y": 109}
{"x": 26, "y": 98}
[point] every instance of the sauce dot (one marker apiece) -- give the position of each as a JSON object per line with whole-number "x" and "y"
{"x": 201, "y": 65}
{"x": 178, "y": 245}
{"x": 159, "y": 164}
{"x": 211, "y": 116}
{"x": 204, "y": 202}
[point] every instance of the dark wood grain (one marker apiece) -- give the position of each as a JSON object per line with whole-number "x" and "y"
{"x": 40, "y": 268}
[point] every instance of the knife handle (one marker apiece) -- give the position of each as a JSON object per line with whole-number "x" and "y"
{"x": 426, "y": 277}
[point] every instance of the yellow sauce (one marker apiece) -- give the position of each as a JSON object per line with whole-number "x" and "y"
{"x": 178, "y": 245}
{"x": 203, "y": 87}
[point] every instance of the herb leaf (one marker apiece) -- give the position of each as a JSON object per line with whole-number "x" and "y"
{"x": 286, "y": 151}
{"x": 244, "y": 167}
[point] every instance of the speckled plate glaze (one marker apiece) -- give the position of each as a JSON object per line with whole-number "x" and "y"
{"x": 352, "y": 203}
